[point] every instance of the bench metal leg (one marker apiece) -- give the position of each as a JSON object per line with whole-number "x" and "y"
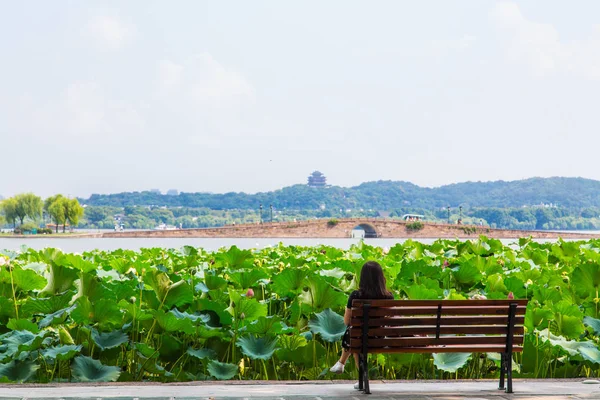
{"x": 502, "y": 371}
{"x": 360, "y": 372}
{"x": 509, "y": 373}
{"x": 366, "y": 374}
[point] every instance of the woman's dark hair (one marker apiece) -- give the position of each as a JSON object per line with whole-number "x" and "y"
{"x": 372, "y": 282}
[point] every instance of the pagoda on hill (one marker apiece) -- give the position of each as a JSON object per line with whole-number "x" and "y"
{"x": 317, "y": 179}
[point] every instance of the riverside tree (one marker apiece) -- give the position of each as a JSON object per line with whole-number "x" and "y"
{"x": 28, "y": 205}
{"x": 73, "y": 211}
{"x": 55, "y": 207}
{"x": 8, "y": 207}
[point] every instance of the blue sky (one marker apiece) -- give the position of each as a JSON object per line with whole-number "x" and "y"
{"x": 110, "y": 96}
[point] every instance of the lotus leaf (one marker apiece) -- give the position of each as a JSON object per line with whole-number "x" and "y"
{"x": 592, "y": 323}
{"x": 587, "y": 349}
{"x": 86, "y": 369}
{"x": 265, "y": 325}
{"x": 289, "y": 281}
{"x": 27, "y": 280}
{"x": 222, "y": 371}
{"x": 170, "y": 348}
{"x": 420, "y": 292}
{"x": 292, "y": 342}
{"x": 77, "y": 262}
{"x": 586, "y": 280}
{"x": 450, "y": 362}
{"x": 179, "y": 294}
{"x": 322, "y": 295}
{"x": 61, "y": 353}
{"x": 18, "y": 371}
{"x": 205, "y": 305}
{"x": 214, "y": 282}
{"x": 328, "y": 324}
{"x": 201, "y": 353}
{"x": 151, "y": 367}
{"x": 22, "y": 325}
{"x": 109, "y": 340}
{"x": 170, "y": 323}
{"x": 60, "y": 279}
{"x": 258, "y": 348}
{"x": 47, "y": 305}
{"x": 246, "y": 279}
{"x": 245, "y": 308}
{"x": 467, "y": 275}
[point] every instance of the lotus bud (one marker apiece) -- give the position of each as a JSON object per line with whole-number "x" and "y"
{"x": 510, "y": 296}
{"x": 132, "y": 299}
{"x": 446, "y": 264}
{"x": 386, "y": 250}
{"x": 242, "y": 316}
{"x": 250, "y": 293}
{"x": 64, "y": 336}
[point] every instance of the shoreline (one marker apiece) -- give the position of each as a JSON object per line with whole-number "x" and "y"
{"x": 312, "y": 229}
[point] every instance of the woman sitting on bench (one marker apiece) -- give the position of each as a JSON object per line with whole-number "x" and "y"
{"x": 372, "y": 286}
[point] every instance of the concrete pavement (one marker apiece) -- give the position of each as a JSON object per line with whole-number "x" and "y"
{"x": 317, "y": 390}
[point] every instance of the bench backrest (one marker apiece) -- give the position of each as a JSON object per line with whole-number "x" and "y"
{"x": 436, "y": 326}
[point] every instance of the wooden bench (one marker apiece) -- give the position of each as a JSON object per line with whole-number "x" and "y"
{"x": 437, "y": 326}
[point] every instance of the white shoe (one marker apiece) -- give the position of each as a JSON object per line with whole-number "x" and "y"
{"x": 356, "y": 386}
{"x": 338, "y": 368}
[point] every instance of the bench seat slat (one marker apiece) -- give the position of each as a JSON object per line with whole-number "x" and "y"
{"x": 444, "y": 320}
{"x": 432, "y": 341}
{"x": 446, "y": 311}
{"x": 434, "y": 303}
{"x": 431, "y": 330}
{"x": 437, "y": 349}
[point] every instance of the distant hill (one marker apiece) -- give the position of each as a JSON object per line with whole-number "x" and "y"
{"x": 381, "y": 195}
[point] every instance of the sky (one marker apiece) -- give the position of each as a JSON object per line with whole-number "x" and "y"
{"x": 220, "y": 96}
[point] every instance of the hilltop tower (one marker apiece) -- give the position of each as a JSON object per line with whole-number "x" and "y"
{"x": 317, "y": 179}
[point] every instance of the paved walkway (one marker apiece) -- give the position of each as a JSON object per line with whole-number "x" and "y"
{"x": 320, "y": 390}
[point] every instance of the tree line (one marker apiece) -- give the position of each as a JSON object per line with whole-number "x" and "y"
{"x": 380, "y": 195}
{"x": 29, "y": 208}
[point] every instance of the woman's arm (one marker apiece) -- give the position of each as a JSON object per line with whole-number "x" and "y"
{"x": 347, "y": 316}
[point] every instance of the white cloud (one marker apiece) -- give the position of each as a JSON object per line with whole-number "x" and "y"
{"x": 454, "y": 44}
{"x": 110, "y": 33}
{"x": 170, "y": 74}
{"x": 211, "y": 81}
{"x": 540, "y": 47}
{"x": 205, "y": 81}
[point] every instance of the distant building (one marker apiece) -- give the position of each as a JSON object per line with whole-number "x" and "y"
{"x": 157, "y": 191}
{"x": 172, "y": 192}
{"x": 317, "y": 179}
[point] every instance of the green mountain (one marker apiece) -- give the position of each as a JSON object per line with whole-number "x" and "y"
{"x": 381, "y": 195}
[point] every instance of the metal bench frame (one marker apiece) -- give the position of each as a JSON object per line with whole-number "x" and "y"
{"x": 364, "y": 350}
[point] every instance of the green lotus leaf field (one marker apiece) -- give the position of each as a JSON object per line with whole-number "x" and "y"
{"x": 188, "y": 314}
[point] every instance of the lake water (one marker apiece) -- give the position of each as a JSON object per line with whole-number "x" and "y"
{"x": 78, "y": 245}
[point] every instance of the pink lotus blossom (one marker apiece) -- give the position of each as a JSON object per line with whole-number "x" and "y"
{"x": 511, "y": 296}
{"x": 250, "y": 293}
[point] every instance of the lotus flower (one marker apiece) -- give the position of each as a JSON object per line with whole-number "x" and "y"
{"x": 250, "y": 293}
{"x": 3, "y": 261}
{"x": 511, "y": 296}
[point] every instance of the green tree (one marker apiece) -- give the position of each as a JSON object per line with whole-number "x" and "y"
{"x": 9, "y": 209}
{"x": 28, "y": 205}
{"x": 73, "y": 212}
{"x": 54, "y": 206}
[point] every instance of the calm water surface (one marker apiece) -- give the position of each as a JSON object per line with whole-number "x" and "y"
{"x": 86, "y": 244}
